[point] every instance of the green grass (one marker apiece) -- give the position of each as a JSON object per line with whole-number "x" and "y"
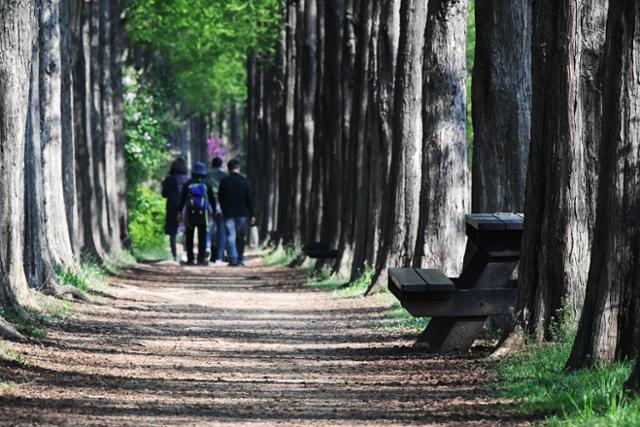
{"x": 88, "y": 276}
{"x": 535, "y": 380}
{"x": 29, "y": 324}
{"x": 324, "y": 280}
{"x": 282, "y": 256}
{"x": 358, "y": 287}
{"x": 397, "y": 317}
{"x": 152, "y": 253}
{"x": 9, "y": 354}
{"x": 54, "y": 310}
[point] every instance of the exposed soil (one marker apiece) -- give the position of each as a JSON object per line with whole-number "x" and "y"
{"x": 218, "y": 346}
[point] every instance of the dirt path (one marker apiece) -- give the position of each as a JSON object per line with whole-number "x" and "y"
{"x": 216, "y": 346}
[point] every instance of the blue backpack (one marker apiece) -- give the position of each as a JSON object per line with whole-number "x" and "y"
{"x": 198, "y": 203}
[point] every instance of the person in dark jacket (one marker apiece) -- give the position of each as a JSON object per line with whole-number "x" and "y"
{"x": 235, "y": 201}
{"x": 198, "y": 199}
{"x": 172, "y": 191}
{"x": 217, "y": 237}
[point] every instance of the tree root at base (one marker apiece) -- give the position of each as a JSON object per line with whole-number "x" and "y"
{"x": 7, "y": 331}
{"x": 60, "y": 291}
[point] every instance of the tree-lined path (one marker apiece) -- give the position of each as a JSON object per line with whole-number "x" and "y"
{"x": 250, "y": 346}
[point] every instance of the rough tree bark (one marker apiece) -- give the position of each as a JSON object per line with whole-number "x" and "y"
{"x": 117, "y": 61}
{"x": 287, "y": 224}
{"x": 18, "y": 31}
{"x": 444, "y": 198}
{"x": 610, "y": 324}
{"x": 332, "y": 123}
{"x": 567, "y": 43}
{"x": 361, "y": 147}
{"x": 406, "y": 155}
{"x": 383, "y": 68}
{"x": 47, "y": 242}
{"x": 347, "y": 146}
{"x": 501, "y": 105}
{"x": 309, "y": 75}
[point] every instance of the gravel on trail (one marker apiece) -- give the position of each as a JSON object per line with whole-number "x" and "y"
{"x": 175, "y": 345}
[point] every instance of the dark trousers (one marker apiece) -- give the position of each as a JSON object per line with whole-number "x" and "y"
{"x": 202, "y": 242}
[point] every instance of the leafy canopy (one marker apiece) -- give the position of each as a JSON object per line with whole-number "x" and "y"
{"x": 205, "y": 43}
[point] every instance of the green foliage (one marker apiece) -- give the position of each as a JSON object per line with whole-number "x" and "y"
{"x": 535, "y": 380}
{"x": 146, "y": 222}
{"x": 204, "y": 43}
{"x": 147, "y": 123}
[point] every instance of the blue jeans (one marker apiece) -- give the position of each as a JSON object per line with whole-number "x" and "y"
{"x": 217, "y": 232}
{"x": 236, "y": 229}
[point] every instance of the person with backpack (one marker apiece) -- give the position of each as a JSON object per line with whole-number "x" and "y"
{"x": 235, "y": 200}
{"x": 172, "y": 191}
{"x": 197, "y": 200}
{"x": 217, "y": 236}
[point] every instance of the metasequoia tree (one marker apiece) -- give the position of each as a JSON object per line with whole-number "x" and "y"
{"x": 309, "y": 86}
{"x": 331, "y": 120}
{"x": 501, "y": 102}
{"x": 444, "y": 198}
{"x": 406, "y": 150}
{"x": 386, "y": 33}
{"x": 610, "y": 324}
{"x": 18, "y": 32}
{"x": 559, "y": 206}
{"x": 362, "y": 130}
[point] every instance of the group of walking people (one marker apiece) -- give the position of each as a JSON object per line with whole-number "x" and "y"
{"x": 213, "y": 205}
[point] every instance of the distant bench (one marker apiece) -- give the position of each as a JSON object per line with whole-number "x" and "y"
{"x": 460, "y": 306}
{"x": 319, "y": 250}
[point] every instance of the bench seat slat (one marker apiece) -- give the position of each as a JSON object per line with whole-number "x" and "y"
{"x": 411, "y": 280}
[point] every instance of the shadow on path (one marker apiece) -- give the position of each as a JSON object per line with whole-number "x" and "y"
{"x": 239, "y": 346}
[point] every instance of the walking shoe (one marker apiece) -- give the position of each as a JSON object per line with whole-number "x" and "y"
{"x": 203, "y": 263}
{"x": 233, "y": 264}
{"x": 219, "y": 263}
{"x": 187, "y": 262}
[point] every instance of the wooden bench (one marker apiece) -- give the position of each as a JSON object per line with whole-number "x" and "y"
{"x": 459, "y": 307}
{"x": 319, "y": 250}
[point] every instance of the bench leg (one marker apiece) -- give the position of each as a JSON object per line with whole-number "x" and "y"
{"x": 444, "y": 334}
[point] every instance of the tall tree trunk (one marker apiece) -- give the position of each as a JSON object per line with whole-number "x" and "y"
{"x": 56, "y": 248}
{"x": 444, "y": 198}
{"x": 406, "y": 155}
{"x": 382, "y": 80}
{"x": 317, "y": 183}
{"x": 348, "y": 147}
{"x": 111, "y": 177}
{"x": 235, "y": 127}
{"x": 332, "y": 123}
{"x": 288, "y": 222}
{"x": 361, "y": 147}
{"x": 610, "y": 324}
{"x": 18, "y": 31}
{"x": 567, "y": 42}
{"x": 309, "y": 76}
{"x": 67, "y": 49}
{"x": 501, "y": 105}
{"x": 117, "y": 55}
